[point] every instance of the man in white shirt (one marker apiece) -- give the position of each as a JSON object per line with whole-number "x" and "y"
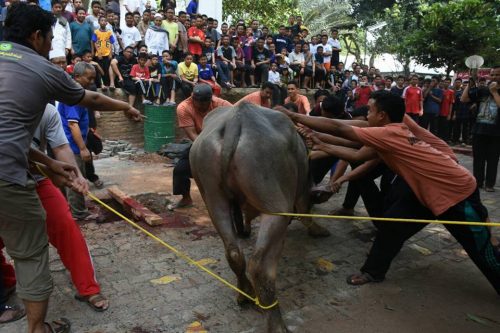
{"x": 297, "y": 60}
{"x": 334, "y": 42}
{"x": 61, "y": 43}
{"x": 327, "y": 52}
{"x": 130, "y": 34}
{"x": 132, "y": 6}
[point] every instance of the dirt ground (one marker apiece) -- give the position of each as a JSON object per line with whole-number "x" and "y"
{"x": 432, "y": 285}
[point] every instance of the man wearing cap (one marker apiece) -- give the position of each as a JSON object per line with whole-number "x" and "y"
{"x": 190, "y": 114}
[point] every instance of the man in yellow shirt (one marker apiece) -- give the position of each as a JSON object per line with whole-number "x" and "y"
{"x": 102, "y": 47}
{"x": 188, "y": 72}
{"x": 173, "y": 29}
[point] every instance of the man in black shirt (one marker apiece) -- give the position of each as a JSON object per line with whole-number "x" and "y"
{"x": 260, "y": 61}
{"x": 121, "y": 68}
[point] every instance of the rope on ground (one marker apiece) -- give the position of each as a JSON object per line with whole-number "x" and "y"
{"x": 183, "y": 255}
{"x": 388, "y": 219}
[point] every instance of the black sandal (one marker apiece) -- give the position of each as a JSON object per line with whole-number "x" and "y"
{"x": 363, "y": 278}
{"x": 61, "y": 325}
{"x": 19, "y": 313}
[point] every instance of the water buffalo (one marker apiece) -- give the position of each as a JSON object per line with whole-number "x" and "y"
{"x": 251, "y": 159}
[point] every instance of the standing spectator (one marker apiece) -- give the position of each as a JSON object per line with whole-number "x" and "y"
{"x": 208, "y": 51}
{"x": 445, "y": 112}
{"x": 130, "y": 34}
{"x": 156, "y": 37}
{"x": 147, "y": 4}
{"x": 182, "y": 43}
{"x": 399, "y": 88}
{"x": 433, "y": 96}
{"x": 192, "y": 8}
{"x": 93, "y": 18}
{"x": 102, "y": 48}
{"x": 309, "y": 65}
{"x": 132, "y": 6}
{"x": 168, "y": 4}
{"x": 114, "y": 6}
{"x": 121, "y": 68}
{"x": 334, "y": 42}
{"x": 188, "y": 73}
{"x": 168, "y": 78}
{"x": 281, "y": 40}
{"x": 414, "y": 99}
{"x": 113, "y": 27}
{"x": 461, "y": 116}
{"x": 145, "y": 23}
{"x": 226, "y": 62}
{"x": 61, "y": 30}
{"x": 137, "y": 18}
{"x": 301, "y": 101}
{"x": 141, "y": 77}
{"x": 206, "y": 75}
{"x": 486, "y": 131}
{"x": 196, "y": 39}
{"x": 81, "y": 33}
{"x": 212, "y": 32}
{"x": 67, "y": 11}
{"x": 257, "y": 33}
{"x": 172, "y": 28}
{"x": 327, "y": 52}
{"x": 319, "y": 70}
{"x": 260, "y": 62}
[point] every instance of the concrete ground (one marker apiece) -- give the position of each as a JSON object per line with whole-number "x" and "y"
{"x": 432, "y": 285}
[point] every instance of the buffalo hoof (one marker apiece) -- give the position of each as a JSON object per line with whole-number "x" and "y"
{"x": 317, "y": 231}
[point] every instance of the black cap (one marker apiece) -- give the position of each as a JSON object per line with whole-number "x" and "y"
{"x": 202, "y": 92}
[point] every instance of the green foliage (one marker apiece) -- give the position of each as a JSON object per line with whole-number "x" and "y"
{"x": 271, "y": 13}
{"x": 450, "y": 32}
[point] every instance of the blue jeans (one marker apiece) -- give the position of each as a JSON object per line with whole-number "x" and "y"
{"x": 223, "y": 70}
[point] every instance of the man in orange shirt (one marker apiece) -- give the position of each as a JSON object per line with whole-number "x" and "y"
{"x": 261, "y": 97}
{"x": 300, "y": 100}
{"x": 190, "y": 115}
{"x": 429, "y": 184}
{"x": 196, "y": 39}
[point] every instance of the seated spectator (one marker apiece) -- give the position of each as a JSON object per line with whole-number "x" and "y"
{"x": 141, "y": 77}
{"x": 208, "y": 51}
{"x": 309, "y": 64}
{"x": 279, "y": 89}
{"x": 260, "y": 62}
{"x": 320, "y": 68}
{"x": 188, "y": 73}
{"x": 155, "y": 74}
{"x": 168, "y": 78}
{"x": 300, "y": 100}
{"x": 206, "y": 75}
{"x": 121, "y": 68}
{"x": 226, "y": 63}
{"x": 239, "y": 71}
{"x": 156, "y": 37}
{"x": 283, "y": 61}
{"x": 297, "y": 61}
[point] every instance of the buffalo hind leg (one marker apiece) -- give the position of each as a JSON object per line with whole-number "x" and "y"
{"x": 262, "y": 267}
{"x": 219, "y": 209}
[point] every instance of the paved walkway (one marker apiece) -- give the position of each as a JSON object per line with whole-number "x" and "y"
{"x": 431, "y": 287}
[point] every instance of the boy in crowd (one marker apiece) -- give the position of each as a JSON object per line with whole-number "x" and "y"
{"x": 168, "y": 78}
{"x": 414, "y": 99}
{"x": 141, "y": 77}
{"x": 319, "y": 70}
{"x": 433, "y": 96}
{"x": 445, "y": 111}
{"x": 155, "y": 74}
{"x": 130, "y": 34}
{"x": 206, "y": 75}
{"x": 188, "y": 73}
{"x": 102, "y": 47}
{"x": 399, "y": 88}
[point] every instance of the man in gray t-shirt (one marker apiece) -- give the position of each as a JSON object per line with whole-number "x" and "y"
{"x": 28, "y": 81}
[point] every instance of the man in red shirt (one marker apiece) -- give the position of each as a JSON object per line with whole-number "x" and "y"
{"x": 414, "y": 100}
{"x": 362, "y": 93}
{"x": 190, "y": 114}
{"x": 445, "y": 113}
{"x": 196, "y": 39}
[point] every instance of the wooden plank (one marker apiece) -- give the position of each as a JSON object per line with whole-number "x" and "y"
{"x": 137, "y": 210}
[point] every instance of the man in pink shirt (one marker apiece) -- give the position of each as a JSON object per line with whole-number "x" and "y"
{"x": 429, "y": 184}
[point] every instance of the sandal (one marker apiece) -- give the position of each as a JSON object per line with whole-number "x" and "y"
{"x": 61, "y": 325}
{"x": 92, "y": 301}
{"x": 98, "y": 184}
{"x": 360, "y": 279}
{"x": 178, "y": 204}
{"x": 321, "y": 194}
{"x": 17, "y": 313}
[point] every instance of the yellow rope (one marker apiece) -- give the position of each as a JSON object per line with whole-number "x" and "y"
{"x": 389, "y": 219}
{"x": 183, "y": 255}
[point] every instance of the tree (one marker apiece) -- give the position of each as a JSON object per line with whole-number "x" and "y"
{"x": 450, "y": 32}
{"x": 271, "y": 13}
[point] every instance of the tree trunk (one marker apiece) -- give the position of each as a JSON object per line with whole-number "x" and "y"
{"x": 372, "y": 60}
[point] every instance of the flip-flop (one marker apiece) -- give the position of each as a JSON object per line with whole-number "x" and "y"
{"x": 61, "y": 325}
{"x": 176, "y": 205}
{"x": 363, "y": 278}
{"x": 321, "y": 194}
{"x": 19, "y": 313}
{"x": 91, "y": 300}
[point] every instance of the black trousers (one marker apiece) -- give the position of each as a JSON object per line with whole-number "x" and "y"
{"x": 486, "y": 153}
{"x": 105, "y": 62}
{"x": 401, "y": 202}
{"x": 430, "y": 121}
{"x": 182, "y": 174}
{"x": 460, "y": 130}
{"x": 186, "y": 89}
{"x": 443, "y": 128}
{"x": 320, "y": 167}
